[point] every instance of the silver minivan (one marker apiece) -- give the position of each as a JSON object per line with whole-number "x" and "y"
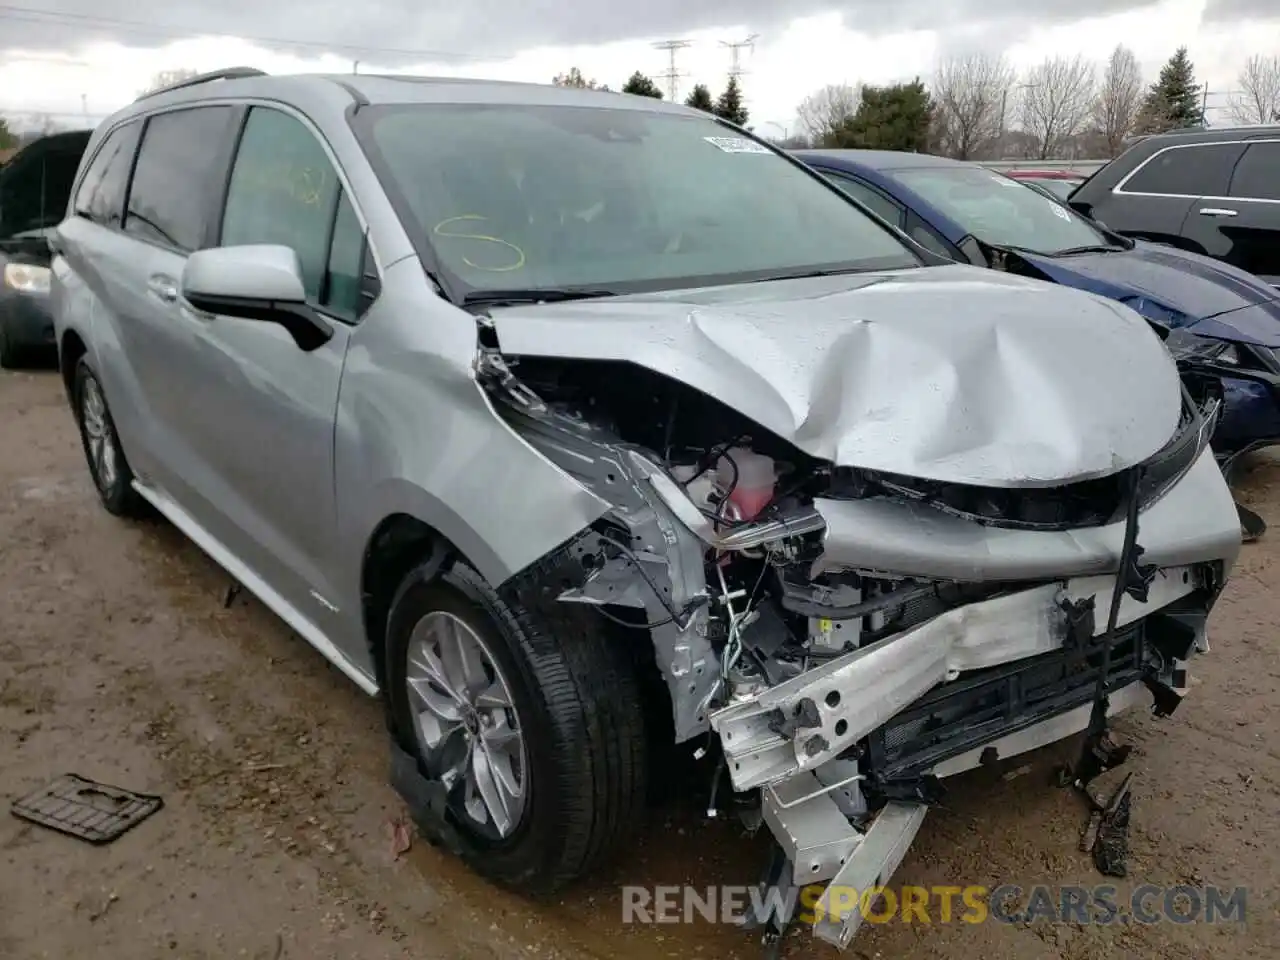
{"x": 575, "y": 424}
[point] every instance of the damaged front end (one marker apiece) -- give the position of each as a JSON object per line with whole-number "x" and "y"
{"x": 852, "y": 636}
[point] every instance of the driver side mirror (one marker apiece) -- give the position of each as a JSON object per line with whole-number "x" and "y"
{"x": 255, "y": 282}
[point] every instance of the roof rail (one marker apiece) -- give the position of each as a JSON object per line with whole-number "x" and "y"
{"x": 229, "y": 73}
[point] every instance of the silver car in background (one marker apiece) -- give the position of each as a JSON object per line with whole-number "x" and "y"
{"x": 575, "y": 424}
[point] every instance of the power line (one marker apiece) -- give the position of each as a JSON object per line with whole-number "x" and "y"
{"x": 672, "y": 76}
{"x": 41, "y": 58}
{"x": 1205, "y": 106}
{"x": 735, "y": 49}
{"x": 144, "y": 29}
{"x": 36, "y": 113}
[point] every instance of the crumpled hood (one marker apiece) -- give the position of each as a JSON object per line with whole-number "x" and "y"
{"x": 944, "y": 373}
{"x": 1185, "y": 288}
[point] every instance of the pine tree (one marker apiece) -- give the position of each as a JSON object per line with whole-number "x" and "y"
{"x": 700, "y": 97}
{"x": 729, "y": 106}
{"x": 896, "y": 117}
{"x": 642, "y": 86}
{"x": 1174, "y": 102}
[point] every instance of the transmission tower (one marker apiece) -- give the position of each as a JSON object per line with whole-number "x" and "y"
{"x": 672, "y": 76}
{"x": 735, "y": 51}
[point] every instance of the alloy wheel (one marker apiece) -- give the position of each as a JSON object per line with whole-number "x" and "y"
{"x": 99, "y": 436}
{"x": 465, "y": 722}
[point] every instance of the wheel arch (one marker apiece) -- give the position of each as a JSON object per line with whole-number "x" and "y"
{"x": 402, "y": 542}
{"x": 398, "y": 544}
{"x": 71, "y": 347}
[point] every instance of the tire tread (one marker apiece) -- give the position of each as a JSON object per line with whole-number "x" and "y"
{"x": 583, "y": 675}
{"x": 123, "y": 501}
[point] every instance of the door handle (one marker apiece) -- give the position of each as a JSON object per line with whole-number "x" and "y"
{"x": 1217, "y": 212}
{"x": 164, "y": 289}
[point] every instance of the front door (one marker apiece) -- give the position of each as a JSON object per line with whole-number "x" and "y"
{"x": 1243, "y": 228}
{"x": 265, "y": 420}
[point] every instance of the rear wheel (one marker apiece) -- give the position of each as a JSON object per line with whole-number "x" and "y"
{"x": 528, "y": 713}
{"x": 107, "y": 464}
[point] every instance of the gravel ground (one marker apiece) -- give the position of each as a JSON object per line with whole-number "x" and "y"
{"x": 119, "y": 661}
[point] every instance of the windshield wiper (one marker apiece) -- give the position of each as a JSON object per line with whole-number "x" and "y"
{"x": 1095, "y": 248}
{"x": 534, "y": 295}
{"x": 810, "y": 274}
{"x": 1010, "y": 248}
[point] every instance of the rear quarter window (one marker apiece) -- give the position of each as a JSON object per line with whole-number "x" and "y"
{"x": 100, "y": 197}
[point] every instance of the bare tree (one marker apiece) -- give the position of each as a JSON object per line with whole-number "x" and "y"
{"x": 574, "y": 78}
{"x": 1259, "y": 98}
{"x": 825, "y": 111}
{"x": 167, "y": 78}
{"x": 1057, "y": 99}
{"x": 1119, "y": 99}
{"x": 40, "y": 125}
{"x": 971, "y": 94}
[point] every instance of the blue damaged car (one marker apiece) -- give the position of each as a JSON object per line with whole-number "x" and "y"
{"x": 1225, "y": 319}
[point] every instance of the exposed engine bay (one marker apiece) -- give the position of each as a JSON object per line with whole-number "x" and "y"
{"x": 851, "y": 636}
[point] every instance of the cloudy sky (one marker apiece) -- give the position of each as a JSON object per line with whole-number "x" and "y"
{"x": 77, "y": 58}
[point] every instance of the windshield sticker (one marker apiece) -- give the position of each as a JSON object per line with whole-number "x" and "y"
{"x": 1058, "y": 210}
{"x": 737, "y": 145}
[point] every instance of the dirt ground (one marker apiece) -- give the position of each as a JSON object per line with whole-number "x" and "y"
{"x": 119, "y": 661}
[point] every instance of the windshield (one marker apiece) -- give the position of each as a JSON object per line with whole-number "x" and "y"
{"x": 553, "y": 197}
{"x": 1058, "y": 187}
{"x": 1001, "y": 211}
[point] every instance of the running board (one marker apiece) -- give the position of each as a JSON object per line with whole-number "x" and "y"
{"x": 840, "y": 910}
{"x": 277, "y": 604}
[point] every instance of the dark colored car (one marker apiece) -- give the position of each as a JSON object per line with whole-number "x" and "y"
{"x": 1213, "y": 192}
{"x": 1222, "y": 318}
{"x": 1040, "y": 187}
{"x": 1060, "y": 183}
{"x": 34, "y": 187}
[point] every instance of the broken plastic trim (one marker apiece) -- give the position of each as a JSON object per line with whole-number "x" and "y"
{"x": 661, "y": 572}
{"x": 86, "y": 809}
{"x": 806, "y": 721}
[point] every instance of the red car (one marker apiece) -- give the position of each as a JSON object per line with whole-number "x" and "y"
{"x": 1058, "y": 182}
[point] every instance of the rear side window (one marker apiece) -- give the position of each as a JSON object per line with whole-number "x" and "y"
{"x": 284, "y": 190}
{"x": 1202, "y": 170}
{"x": 1257, "y": 174}
{"x": 174, "y": 176}
{"x": 101, "y": 194}
{"x": 872, "y": 199}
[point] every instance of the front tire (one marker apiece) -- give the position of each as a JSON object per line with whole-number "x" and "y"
{"x": 528, "y": 712}
{"x": 102, "y": 451}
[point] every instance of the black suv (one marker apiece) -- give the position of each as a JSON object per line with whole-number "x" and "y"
{"x": 1216, "y": 192}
